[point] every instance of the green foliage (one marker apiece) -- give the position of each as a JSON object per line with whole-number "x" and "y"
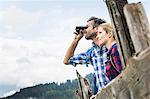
{"x": 50, "y": 90}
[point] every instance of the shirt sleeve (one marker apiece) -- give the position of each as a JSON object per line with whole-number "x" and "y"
{"x": 82, "y": 58}
{"x": 116, "y": 59}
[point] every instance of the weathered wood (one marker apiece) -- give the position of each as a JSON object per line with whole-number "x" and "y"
{"x": 138, "y": 26}
{"x": 85, "y": 90}
{"x": 121, "y": 32}
{"x": 133, "y": 82}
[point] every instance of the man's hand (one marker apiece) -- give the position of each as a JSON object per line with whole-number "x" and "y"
{"x": 72, "y": 47}
{"x": 78, "y": 36}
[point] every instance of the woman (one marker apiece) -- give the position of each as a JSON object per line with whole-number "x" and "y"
{"x": 105, "y": 37}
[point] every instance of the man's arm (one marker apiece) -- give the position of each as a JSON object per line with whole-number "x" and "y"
{"x": 72, "y": 47}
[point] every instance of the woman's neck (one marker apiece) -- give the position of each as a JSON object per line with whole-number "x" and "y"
{"x": 110, "y": 43}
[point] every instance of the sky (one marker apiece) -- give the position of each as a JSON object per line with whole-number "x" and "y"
{"x": 34, "y": 36}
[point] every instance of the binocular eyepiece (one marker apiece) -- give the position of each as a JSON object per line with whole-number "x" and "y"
{"x": 78, "y": 28}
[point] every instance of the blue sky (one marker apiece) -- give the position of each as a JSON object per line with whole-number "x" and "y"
{"x": 34, "y": 36}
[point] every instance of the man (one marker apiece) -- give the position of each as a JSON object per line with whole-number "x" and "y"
{"x": 96, "y": 56}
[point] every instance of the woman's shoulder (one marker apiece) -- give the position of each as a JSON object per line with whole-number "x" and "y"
{"x": 113, "y": 48}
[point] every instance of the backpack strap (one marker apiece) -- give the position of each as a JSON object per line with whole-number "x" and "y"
{"x": 113, "y": 64}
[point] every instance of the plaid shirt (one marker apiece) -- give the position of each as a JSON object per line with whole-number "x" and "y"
{"x": 97, "y": 57}
{"x": 113, "y": 66}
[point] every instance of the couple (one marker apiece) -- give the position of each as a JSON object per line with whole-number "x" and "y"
{"x": 103, "y": 55}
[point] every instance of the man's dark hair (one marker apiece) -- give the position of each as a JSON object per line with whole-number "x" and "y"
{"x": 97, "y": 22}
{"x": 92, "y": 18}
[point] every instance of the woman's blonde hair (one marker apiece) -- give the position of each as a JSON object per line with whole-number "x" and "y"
{"x": 107, "y": 27}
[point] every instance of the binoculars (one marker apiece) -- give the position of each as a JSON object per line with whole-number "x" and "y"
{"x": 78, "y": 28}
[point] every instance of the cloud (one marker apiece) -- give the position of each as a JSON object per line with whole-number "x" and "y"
{"x": 31, "y": 62}
{"x": 26, "y": 63}
{"x": 18, "y": 22}
{"x": 8, "y": 94}
{"x": 17, "y": 17}
{"x": 15, "y": 20}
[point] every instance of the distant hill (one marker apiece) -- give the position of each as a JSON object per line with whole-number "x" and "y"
{"x": 50, "y": 90}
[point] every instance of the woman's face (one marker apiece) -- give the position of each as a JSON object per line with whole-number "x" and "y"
{"x": 102, "y": 36}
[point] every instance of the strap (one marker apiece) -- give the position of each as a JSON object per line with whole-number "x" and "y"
{"x": 113, "y": 64}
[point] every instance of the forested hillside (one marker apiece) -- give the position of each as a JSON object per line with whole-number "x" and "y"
{"x": 50, "y": 90}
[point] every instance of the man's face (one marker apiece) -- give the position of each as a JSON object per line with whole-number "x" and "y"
{"x": 90, "y": 33}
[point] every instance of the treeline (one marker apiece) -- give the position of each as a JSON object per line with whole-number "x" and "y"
{"x": 50, "y": 90}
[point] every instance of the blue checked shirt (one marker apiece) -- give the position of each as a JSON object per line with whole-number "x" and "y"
{"x": 97, "y": 57}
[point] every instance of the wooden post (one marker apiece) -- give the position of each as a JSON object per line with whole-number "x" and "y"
{"x": 133, "y": 82}
{"x": 138, "y": 26}
{"x": 121, "y": 32}
{"x": 80, "y": 85}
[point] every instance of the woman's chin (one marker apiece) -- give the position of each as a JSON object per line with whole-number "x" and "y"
{"x": 100, "y": 43}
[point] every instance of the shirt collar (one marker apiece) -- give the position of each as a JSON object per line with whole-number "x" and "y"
{"x": 96, "y": 46}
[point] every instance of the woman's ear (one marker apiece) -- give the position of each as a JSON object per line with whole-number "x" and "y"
{"x": 110, "y": 35}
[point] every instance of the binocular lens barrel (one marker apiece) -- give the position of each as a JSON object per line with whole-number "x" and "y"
{"x": 78, "y": 28}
